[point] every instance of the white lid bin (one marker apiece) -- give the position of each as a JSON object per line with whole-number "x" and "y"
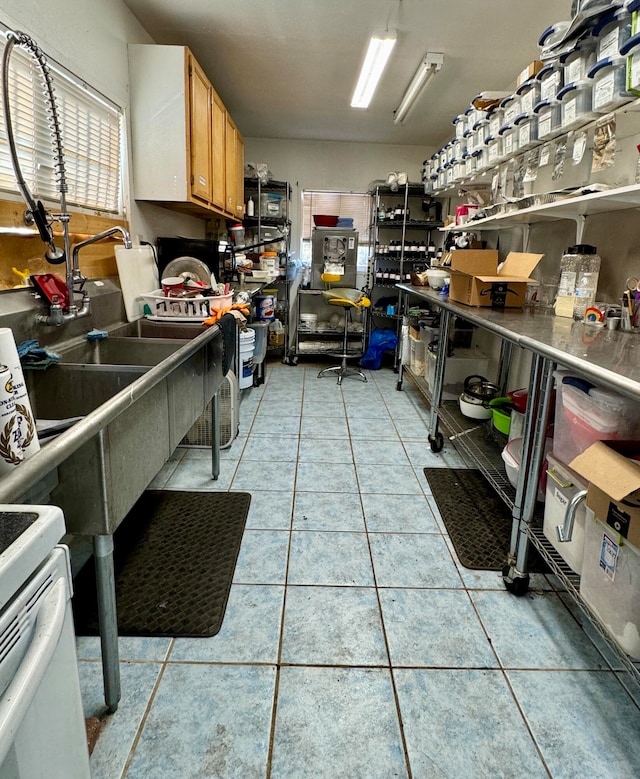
{"x": 609, "y": 77}
{"x": 610, "y": 583}
{"x": 562, "y": 485}
{"x": 549, "y": 119}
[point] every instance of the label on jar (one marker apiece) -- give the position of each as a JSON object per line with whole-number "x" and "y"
{"x": 567, "y": 284}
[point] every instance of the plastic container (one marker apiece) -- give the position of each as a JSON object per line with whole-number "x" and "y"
{"x": 509, "y": 135}
{"x": 529, "y": 93}
{"x": 245, "y": 358}
{"x": 493, "y": 146}
{"x": 512, "y": 456}
{"x": 575, "y": 103}
{"x": 610, "y": 583}
{"x": 271, "y": 205}
{"x": 582, "y": 418}
{"x": 562, "y": 485}
{"x": 586, "y": 282}
{"x": 549, "y": 118}
{"x": 576, "y": 63}
{"x": 265, "y": 306}
{"x": 261, "y": 330}
{"x": 611, "y": 32}
{"x": 308, "y": 323}
{"x": 496, "y": 120}
{"x": 527, "y": 128}
{"x": 609, "y": 78}
{"x": 511, "y": 108}
{"x": 631, "y": 50}
{"x": 551, "y": 79}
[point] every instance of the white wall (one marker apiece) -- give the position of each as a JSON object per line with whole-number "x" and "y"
{"x": 318, "y": 165}
{"x": 90, "y": 37}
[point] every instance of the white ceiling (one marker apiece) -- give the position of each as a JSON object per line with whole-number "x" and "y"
{"x": 287, "y": 68}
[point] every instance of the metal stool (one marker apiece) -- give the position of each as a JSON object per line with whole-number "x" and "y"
{"x": 347, "y": 299}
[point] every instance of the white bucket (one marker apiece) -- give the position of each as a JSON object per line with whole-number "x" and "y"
{"x": 247, "y": 342}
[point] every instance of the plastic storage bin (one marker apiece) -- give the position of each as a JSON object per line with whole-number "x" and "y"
{"x": 562, "y": 485}
{"x": 551, "y": 79}
{"x": 511, "y": 108}
{"x": 610, "y": 583}
{"x": 511, "y": 457}
{"x": 575, "y": 103}
{"x": 509, "y": 135}
{"x": 465, "y": 362}
{"x": 549, "y": 118}
{"x": 576, "y": 63}
{"x": 611, "y": 32}
{"x": 609, "y": 78}
{"x": 529, "y": 93}
{"x": 582, "y": 418}
{"x": 527, "y": 128}
{"x": 271, "y": 205}
{"x": 493, "y": 147}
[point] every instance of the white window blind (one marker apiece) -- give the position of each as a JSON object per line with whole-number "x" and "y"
{"x": 91, "y": 136}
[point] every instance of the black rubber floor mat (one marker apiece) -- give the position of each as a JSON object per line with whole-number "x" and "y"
{"x": 477, "y": 520}
{"x": 175, "y": 555}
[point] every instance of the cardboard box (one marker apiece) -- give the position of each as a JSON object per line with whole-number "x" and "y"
{"x": 476, "y": 281}
{"x": 532, "y": 69}
{"x": 614, "y": 485}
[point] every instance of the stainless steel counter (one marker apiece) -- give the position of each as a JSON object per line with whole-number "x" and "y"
{"x": 609, "y": 357}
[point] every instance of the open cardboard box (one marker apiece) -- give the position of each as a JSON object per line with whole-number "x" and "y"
{"x": 476, "y": 281}
{"x": 614, "y": 484}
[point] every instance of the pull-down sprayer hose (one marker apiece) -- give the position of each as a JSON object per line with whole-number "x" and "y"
{"x": 37, "y": 211}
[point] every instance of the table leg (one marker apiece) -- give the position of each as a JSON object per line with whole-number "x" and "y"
{"x": 107, "y": 619}
{"x": 215, "y": 437}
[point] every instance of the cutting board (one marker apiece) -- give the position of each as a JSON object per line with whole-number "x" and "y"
{"x": 138, "y": 275}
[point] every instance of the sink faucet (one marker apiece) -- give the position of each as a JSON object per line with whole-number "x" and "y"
{"x": 36, "y": 212}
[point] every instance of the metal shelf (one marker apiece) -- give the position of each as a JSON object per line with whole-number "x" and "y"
{"x": 473, "y": 439}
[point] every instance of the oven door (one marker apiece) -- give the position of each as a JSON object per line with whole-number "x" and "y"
{"x": 42, "y": 731}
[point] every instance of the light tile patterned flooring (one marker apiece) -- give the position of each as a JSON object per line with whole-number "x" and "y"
{"x": 354, "y": 644}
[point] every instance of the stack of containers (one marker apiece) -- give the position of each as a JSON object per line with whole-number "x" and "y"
{"x": 527, "y": 119}
{"x": 609, "y": 74}
{"x": 576, "y": 95}
{"x": 510, "y": 110}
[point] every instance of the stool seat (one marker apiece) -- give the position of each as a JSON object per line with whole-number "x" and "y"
{"x": 348, "y": 299}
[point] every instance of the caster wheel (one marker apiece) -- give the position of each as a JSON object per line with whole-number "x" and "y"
{"x": 293, "y": 361}
{"x": 516, "y": 586}
{"x": 399, "y": 386}
{"x": 436, "y": 443}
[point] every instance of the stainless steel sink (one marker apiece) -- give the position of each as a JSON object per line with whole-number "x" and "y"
{"x": 122, "y": 351}
{"x": 148, "y": 328}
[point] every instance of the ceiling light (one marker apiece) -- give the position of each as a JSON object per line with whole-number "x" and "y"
{"x": 380, "y": 46}
{"x": 430, "y": 65}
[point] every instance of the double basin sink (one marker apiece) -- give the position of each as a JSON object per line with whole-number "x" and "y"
{"x": 138, "y": 392}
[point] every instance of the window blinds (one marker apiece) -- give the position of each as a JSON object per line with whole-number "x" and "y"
{"x": 91, "y": 133}
{"x": 354, "y": 205}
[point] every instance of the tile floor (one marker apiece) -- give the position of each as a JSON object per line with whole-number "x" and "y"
{"x": 354, "y": 644}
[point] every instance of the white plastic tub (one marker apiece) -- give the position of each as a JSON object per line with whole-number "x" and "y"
{"x": 527, "y": 128}
{"x": 509, "y": 134}
{"x": 529, "y": 93}
{"x": 511, "y": 108}
{"x": 610, "y": 583}
{"x": 551, "y": 80}
{"x": 609, "y": 77}
{"x": 493, "y": 147}
{"x": 512, "y": 455}
{"x": 549, "y": 118}
{"x": 576, "y": 63}
{"x": 562, "y": 485}
{"x": 611, "y": 32}
{"x": 575, "y": 104}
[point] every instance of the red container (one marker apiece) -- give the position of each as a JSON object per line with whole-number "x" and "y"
{"x": 322, "y": 220}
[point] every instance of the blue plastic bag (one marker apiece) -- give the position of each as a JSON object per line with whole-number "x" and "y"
{"x": 379, "y": 342}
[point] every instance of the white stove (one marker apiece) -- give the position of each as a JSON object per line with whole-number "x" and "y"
{"x": 42, "y": 731}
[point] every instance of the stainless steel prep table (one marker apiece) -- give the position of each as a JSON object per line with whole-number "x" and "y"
{"x": 610, "y": 358}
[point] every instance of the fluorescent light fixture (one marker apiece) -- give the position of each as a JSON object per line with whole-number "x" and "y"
{"x": 380, "y": 46}
{"x": 429, "y": 66}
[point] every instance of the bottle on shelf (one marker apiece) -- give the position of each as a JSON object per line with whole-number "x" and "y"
{"x": 586, "y": 283}
{"x": 250, "y": 207}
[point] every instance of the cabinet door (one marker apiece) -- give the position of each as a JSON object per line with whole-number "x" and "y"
{"x": 218, "y": 157}
{"x": 199, "y": 132}
{"x": 239, "y": 175}
{"x": 231, "y": 167}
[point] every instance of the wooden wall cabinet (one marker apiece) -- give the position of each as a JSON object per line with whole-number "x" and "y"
{"x": 187, "y": 152}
